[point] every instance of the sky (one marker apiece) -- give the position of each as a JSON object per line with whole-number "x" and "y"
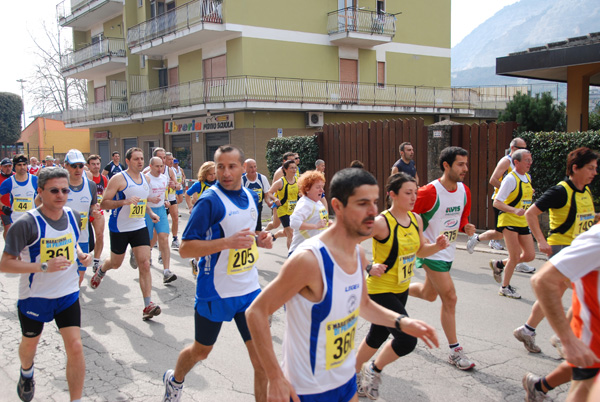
{"x": 25, "y": 19}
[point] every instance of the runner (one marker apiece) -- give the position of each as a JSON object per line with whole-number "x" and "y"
{"x": 34, "y": 166}
{"x": 274, "y": 224}
{"x": 159, "y": 183}
{"x": 180, "y": 177}
{"x": 220, "y": 231}
{"x": 114, "y": 167}
{"x": 98, "y": 221}
{"x": 41, "y": 246}
{"x": 257, "y": 183}
{"x": 127, "y": 196}
{"x": 6, "y": 171}
{"x": 286, "y": 199}
{"x": 406, "y": 163}
{"x": 444, "y": 206}
{"x": 172, "y": 198}
{"x": 513, "y": 200}
{"x": 323, "y": 289}
{"x": 21, "y": 187}
{"x": 397, "y": 240}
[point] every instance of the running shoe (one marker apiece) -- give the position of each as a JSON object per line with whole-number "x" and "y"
{"x": 96, "y": 266}
{"x": 359, "y": 388}
{"x": 471, "y": 243}
{"x": 525, "y": 268}
{"x": 555, "y": 341}
{"x": 133, "y": 261}
{"x": 194, "y": 265}
{"x": 528, "y": 340}
{"x": 458, "y": 358}
{"x": 496, "y": 245}
{"x": 168, "y": 276}
{"x": 175, "y": 243}
{"x": 160, "y": 261}
{"x": 533, "y": 395}
{"x": 25, "y": 388}
{"x": 370, "y": 381}
{"x": 509, "y": 292}
{"x": 172, "y": 390}
{"x": 497, "y": 271}
{"x": 96, "y": 279}
{"x": 151, "y": 310}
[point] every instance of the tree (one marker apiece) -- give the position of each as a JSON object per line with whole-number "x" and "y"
{"x": 49, "y": 89}
{"x": 594, "y": 120}
{"x": 11, "y": 108}
{"x": 535, "y": 113}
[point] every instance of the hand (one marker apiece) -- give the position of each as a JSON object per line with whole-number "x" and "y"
{"x": 377, "y": 269}
{"x": 545, "y": 248}
{"x": 280, "y": 390}
{"x": 154, "y": 200}
{"x": 155, "y": 218}
{"x": 420, "y": 329}
{"x": 265, "y": 240}
{"x": 6, "y": 210}
{"x": 321, "y": 224}
{"x": 442, "y": 242}
{"x": 519, "y": 211}
{"x": 132, "y": 201}
{"x": 469, "y": 229}
{"x": 277, "y": 202}
{"x": 578, "y": 353}
{"x": 58, "y": 264}
{"x": 85, "y": 259}
{"x": 96, "y": 211}
{"x": 242, "y": 239}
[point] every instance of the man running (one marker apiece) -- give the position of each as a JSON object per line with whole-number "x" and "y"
{"x": 444, "y": 206}
{"x": 259, "y": 184}
{"x": 42, "y": 247}
{"x": 274, "y": 224}
{"x": 172, "y": 198}
{"x": 127, "y": 196}
{"x": 22, "y": 188}
{"x": 114, "y": 166}
{"x": 406, "y": 162}
{"x": 220, "y": 231}
{"x": 99, "y": 222}
{"x": 180, "y": 178}
{"x": 324, "y": 292}
{"x": 6, "y": 171}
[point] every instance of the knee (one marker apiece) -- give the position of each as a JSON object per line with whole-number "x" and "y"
{"x": 528, "y": 256}
{"x": 430, "y": 295}
{"x": 74, "y": 348}
{"x": 449, "y": 299}
{"x": 404, "y": 344}
{"x": 144, "y": 266}
{"x": 200, "y": 352}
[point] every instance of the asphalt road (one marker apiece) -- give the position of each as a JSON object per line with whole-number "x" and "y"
{"x": 126, "y": 357}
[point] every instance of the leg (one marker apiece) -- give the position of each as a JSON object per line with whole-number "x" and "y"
{"x": 113, "y": 262}
{"x": 289, "y": 233}
{"x": 165, "y": 251}
{"x": 511, "y": 239}
{"x": 490, "y": 235}
{"x": 527, "y": 247}
{"x": 364, "y": 354}
{"x": 580, "y": 390}
{"x": 188, "y": 358}
{"x": 75, "y": 361}
{"x": 99, "y": 225}
{"x": 537, "y": 315}
{"x": 424, "y": 291}
{"x": 27, "y": 350}
{"x": 142, "y": 256}
{"x": 559, "y": 376}
{"x": 444, "y": 286}
{"x": 174, "y": 212}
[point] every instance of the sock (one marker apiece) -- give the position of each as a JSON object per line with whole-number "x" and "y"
{"x": 174, "y": 381}
{"x": 27, "y": 373}
{"x": 374, "y": 367}
{"x": 96, "y": 260}
{"x": 146, "y": 301}
{"x": 476, "y": 236}
{"x": 500, "y": 264}
{"x": 529, "y": 328}
{"x": 174, "y": 237}
{"x": 101, "y": 273}
{"x": 76, "y": 400}
{"x": 454, "y": 345}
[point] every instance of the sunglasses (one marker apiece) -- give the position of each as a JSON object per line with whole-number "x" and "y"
{"x": 521, "y": 147}
{"x": 55, "y": 190}
{"x": 76, "y": 165}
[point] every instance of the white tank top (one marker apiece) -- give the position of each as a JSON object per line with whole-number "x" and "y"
{"x": 318, "y": 344}
{"x": 81, "y": 201}
{"x": 130, "y": 217}
{"x": 158, "y": 186}
{"x": 23, "y": 196}
{"x": 51, "y": 243}
{"x": 446, "y": 218}
{"x": 235, "y": 272}
{"x": 171, "y": 196}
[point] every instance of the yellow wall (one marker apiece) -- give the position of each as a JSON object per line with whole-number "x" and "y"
{"x": 190, "y": 66}
{"x": 80, "y": 39}
{"x": 406, "y": 69}
{"x": 367, "y": 66}
{"x": 111, "y": 30}
{"x": 425, "y": 23}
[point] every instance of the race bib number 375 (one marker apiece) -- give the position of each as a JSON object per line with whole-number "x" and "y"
{"x": 61, "y": 246}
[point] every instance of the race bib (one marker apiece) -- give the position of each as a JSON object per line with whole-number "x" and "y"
{"x": 138, "y": 210}
{"x": 583, "y": 222}
{"x": 324, "y": 216}
{"x": 339, "y": 338}
{"x": 259, "y": 192}
{"x": 60, "y": 246}
{"x": 99, "y": 198}
{"x": 451, "y": 235}
{"x": 526, "y": 204}
{"x": 291, "y": 206}
{"x": 22, "y": 204}
{"x": 242, "y": 260}
{"x": 84, "y": 220}
{"x": 406, "y": 265}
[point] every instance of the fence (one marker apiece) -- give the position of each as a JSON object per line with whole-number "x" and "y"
{"x": 8, "y": 151}
{"x": 376, "y": 144}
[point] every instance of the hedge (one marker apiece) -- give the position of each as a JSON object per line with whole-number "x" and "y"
{"x": 305, "y": 146}
{"x": 549, "y": 152}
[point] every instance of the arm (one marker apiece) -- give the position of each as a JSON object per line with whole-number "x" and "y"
{"x": 11, "y": 264}
{"x": 508, "y": 185}
{"x": 500, "y": 169}
{"x": 534, "y": 224}
{"x": 465, "y": 226}
{"x": 380, "y": 232}
{"x": 271, "y": 193}
{"x": 200, "y": 248}
{"x": 417, "y": 177}
{"x": 115, "y": 184}
{"x": 394, "y": 170}
{"x": 507, "y": 208}
{"x": 426, "y": 249}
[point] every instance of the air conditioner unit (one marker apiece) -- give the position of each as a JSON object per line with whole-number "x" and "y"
{"x": 314, "y": 119}
{"x": 443, "y": 117}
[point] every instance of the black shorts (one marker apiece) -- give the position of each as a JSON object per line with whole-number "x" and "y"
{"x": 207, "y": 331}
{"x": 5, "y": 219}
{"x": 523, "y": 231}
{"x": 174, "y": 202}
{"x": 69, "y": 317}
{"x": 496, "y": 214}
{"x": 582, "y": 374}
{"x": 285, "y": 220}
{"x": 259, "y": 220}
{"x": 120, "y": 240}
{"x": 92, "y": 239}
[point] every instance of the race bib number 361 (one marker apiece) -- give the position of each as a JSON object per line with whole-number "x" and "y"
{"x": 57, "y": 247}
{"x": 242, "y": 260}
{"x": 339, "y": 338}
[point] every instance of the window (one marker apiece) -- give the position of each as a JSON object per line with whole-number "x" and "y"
{"x": 140, "y": 3}
{"x": 381, "y": 74}
{"x": 380, "y": 6}
{"x": 142, "y": 61}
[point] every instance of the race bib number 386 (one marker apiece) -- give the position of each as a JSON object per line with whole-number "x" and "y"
{"x": 339, "y": 339}
{"x": 57, "y": 247}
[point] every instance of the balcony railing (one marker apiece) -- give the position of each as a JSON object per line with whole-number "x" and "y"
{"x": 63, "y": 11}
{"x": 106, "y": 47}
{"x": 362, "y": 21}
{"x": 185, "y": 16}
{"x": 290, "y": 90}
{"x": 97, "y": 111}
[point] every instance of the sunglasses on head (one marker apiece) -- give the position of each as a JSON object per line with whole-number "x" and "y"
{"x": 76, "y": 165}
{"x": 55, "y": 190}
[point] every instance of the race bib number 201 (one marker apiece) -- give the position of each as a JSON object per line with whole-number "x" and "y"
{"x": 138, "y": 210}
{"x": 61, "y": 246}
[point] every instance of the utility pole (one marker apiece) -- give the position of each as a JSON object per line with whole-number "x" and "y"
{"x": 21, "y": 81}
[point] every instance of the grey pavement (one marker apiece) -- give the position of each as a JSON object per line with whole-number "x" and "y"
{"x": 126, "y": 357}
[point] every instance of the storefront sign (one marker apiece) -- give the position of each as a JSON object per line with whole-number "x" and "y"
{"x": 101, "y": 135}
{"x": 204, "y": 124}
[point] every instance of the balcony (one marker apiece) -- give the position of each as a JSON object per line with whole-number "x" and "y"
{"x": 85, "y": 13}
{"x": 184, "y": 27}
{"x": 101, "y": 112}
{"x": 360, "y": 28}
{"x": 104, "y": 57}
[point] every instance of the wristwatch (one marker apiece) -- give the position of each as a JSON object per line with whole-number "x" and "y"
{"x": 44, "y": 267}
{"x": 398, "y": 319}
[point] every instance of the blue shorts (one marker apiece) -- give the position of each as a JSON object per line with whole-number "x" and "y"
{"x": 178, "y": 192}
{"x": 225, "y": 309}
{"x": 44, "y": 310}
{"x": 161, "y": 226}
{"x": 85, "y": 247}
{"x": 343, "y": 393}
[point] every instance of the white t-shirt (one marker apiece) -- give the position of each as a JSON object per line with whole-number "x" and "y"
{"x": 306, "y": 211}
{"x": 508, "y": 184}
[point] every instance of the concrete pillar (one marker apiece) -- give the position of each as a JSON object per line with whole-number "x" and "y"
{"x": 578, "y": 100}
{"x": 439, "y": 136}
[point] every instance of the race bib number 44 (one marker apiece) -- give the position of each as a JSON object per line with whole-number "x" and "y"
{"x": 22, "y": 204}
{"x": 57, "y": 247}
{"x": 339, "y": 338}
{"x": 242, "y": 260}
{"x": 138, "y": 210}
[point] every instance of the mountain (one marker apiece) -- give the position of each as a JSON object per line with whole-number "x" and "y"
{"x": 515, "y": 28}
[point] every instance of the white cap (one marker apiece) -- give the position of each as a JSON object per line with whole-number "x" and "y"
{"x": 74, "y": 156}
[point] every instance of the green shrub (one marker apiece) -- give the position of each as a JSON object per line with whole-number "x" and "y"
{"x": 549, "y": 152}
{"x": 305, "y": 146}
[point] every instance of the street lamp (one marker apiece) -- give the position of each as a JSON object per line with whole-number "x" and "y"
{"x": 21, "y": 81}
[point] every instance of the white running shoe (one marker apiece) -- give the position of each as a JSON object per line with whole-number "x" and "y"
{"x": 133, "y": 261}
{"x": 160, "y": 261}
{"x": 525, "y": 268}
{"x": 175, "y": 243}
{"x": 473, "y": 240}
{"x": 496, "y": 245}
{"x": 509, "y": 292}
{"x": 533, "y": 395}
{"x": 459, "y": 359}
{"x": 168, "y": 276}
{"x": 528, "y": 340}
{"x": 359, "y": 388}
{"x": 172, "y": 391}
{"x": 497, "y": 271}
{"x": 95, "y": 266}
{"x": 194, "y": 265}
{"x": 555, "y": 341}
{"x": 370, "y": 381}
